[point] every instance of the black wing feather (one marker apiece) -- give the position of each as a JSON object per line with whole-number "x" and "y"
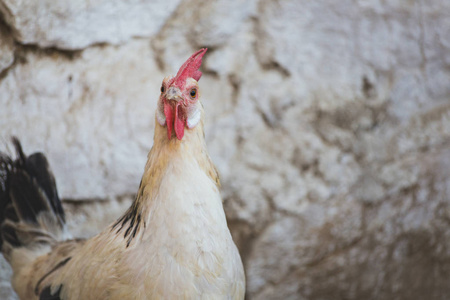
{"x": 38, "y": 167}
{"x": 22, "y": 190}
{"x": 27, "y": 189}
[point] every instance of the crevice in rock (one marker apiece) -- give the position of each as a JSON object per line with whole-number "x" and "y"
{"x": 271, "y": 65}
{"x": 84, "y": 201}
{"x": 236, "y": 87}
{"x": 87, "y": 201}
{"x": 7, "y": 31}
{"x": 5, "y": 71}
{"x": 275, "y": 66}
{"x": 49, "y": 51}
{"x": 35, "y": 47}
{"x": 368, "y": 88}
{"x": 275, "y": 209}
{"x": 268, "y": 120}
{"x": 304, "y": 166}
{"x": 70, "y": 54}
{"x": 4, "y": 9}
{"x": 211, "y": 73}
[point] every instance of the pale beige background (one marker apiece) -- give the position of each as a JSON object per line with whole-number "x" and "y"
{"x": 329, "y": 122}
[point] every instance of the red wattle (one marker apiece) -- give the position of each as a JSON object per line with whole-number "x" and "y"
{"x": 174, "y": 119}
{"x": 168, "y": 111}
{"x": 179, "y": 123}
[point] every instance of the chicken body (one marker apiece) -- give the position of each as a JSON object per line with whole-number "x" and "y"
{"x": 172, "y": 243}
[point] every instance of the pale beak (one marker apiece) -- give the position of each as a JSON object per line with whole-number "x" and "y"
{"x": 174, "y": 93}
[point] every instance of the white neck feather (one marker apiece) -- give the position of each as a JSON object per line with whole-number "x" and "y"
{"x": 186, "y": 240}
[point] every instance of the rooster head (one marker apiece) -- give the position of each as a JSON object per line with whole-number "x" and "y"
{"x": 178, "y": 104}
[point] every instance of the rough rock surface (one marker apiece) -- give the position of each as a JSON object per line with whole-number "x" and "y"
{"x": 6, "y": 48}
{"x": 329, "y": 123}
{"x": 77, "y": 24}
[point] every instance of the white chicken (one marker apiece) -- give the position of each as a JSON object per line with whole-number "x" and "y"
{"x": 172, "y": 243}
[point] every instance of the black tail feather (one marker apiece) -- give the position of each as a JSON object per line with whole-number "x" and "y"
{"x": 39, "y": 169}
{"x": 9, "y": 235}
{"x": 22, "y": 189}
{"x": 27, "y": 192}
{"x": 10, "y": 213}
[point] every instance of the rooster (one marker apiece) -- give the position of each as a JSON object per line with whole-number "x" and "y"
{"x": 172, "y": 243}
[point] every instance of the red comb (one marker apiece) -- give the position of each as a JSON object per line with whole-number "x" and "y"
{"x": 190, "y": 68}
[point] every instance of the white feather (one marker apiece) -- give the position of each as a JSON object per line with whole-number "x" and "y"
{"x": 160, "y": 117}
{"x": 190, "y": 236}
{"x": 194, "y": 117}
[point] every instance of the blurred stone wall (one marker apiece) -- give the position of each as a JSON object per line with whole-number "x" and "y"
{"x": 329, "y": 122}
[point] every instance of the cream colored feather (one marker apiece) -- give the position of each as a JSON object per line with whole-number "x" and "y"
{"x": 173, "y": 242}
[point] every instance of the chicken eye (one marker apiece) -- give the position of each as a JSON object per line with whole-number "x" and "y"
{"x": 193, "y": 93}
{"x": 163, "y": 89}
